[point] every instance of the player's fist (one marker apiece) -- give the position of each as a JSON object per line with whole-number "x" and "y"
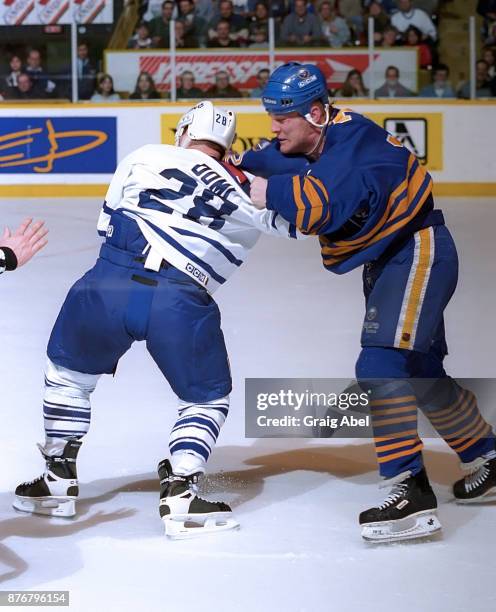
{"x": 26, "y": 240}
{"x": 258, "y": 192}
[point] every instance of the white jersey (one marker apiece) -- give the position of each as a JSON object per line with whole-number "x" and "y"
{"x": 192, "y": 211}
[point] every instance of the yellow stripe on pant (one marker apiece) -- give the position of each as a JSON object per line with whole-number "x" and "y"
{"x": 415, "y": 290}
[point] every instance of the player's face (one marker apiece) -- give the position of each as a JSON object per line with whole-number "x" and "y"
{"x": 294, "y": 133}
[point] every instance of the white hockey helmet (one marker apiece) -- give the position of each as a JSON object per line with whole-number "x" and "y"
{"x": 206, "y": 122}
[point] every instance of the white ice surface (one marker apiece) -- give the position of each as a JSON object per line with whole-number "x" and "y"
{"x": 299, "y": 547}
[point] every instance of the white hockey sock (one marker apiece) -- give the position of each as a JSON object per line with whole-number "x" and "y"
{"x": 66, "y": 404}
{"x": 195, "y": 433}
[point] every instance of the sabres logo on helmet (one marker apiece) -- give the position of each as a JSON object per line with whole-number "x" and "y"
{"x": 294, "y": 87}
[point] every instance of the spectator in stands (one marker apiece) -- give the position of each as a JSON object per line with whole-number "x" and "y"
{"x": 41, "y": 82}
{"x": 183, "y": 40}
{"x": 195, "y": 32}
{"x": 205, "y": 9}
{"x": 389, "y": 6}
{"x": 187, "y": 88}
{"x": 413, "y": 38}
{"x": 15, "y": 66}
{"x": 381, "y": 19}
{"x": 86, "y": 72}
{"x": 262, "y": 78}
{"x": 258, "y": 29}
{"x": 483, "y": 86}
{"x": 351, "y": 10}
{"x": 489, "y": 56}
{"x": 240, "y": 7}
{"x": 408, "y": 16}
{"x": 301, "y": 27}
{"x": 222, "y": 87}
{"x": 260, "y": 14}
{"x": 277, "y": 9}
{"x": 487, "y": 9}
{"x": 440, "y": 87}
{"x": 259, "y": 38}
{"x": 141, "y": 38}
{"x": 149, "y": 9}
{"x": 145, "y": 88}
{"x": 335, "y": 30}
{"x": 353, "y": 87}
{"x": 159, "y": 26}
{"x": 223, "y": 36}
{"x": 238, "y": 24}
{"x": 25, "y": 89}
{"x": 390, "y": 38}
{"x": 392, "y": 88}
{"x": 105, "y": 90}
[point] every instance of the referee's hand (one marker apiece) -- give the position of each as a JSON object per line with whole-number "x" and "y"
{"x": 26, "y": 241}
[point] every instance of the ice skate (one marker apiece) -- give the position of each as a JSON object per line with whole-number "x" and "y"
{"x": 185, "y": 515}
{"x": 54, "y": 493}
{"x": 479, "y": 485}
{"x": 409, "y": 511}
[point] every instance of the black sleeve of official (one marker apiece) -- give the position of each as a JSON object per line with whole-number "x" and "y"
{"x": 8, "y": 259}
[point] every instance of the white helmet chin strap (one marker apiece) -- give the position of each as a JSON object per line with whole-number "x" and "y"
{"x": 186, "y": 141}
{"x": 321, "y": 126}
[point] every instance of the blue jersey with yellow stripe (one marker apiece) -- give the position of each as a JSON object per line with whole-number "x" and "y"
{"x": 365, "y": 192}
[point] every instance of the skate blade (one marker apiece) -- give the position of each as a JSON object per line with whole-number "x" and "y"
{"x": 61, "y": 507}
{"x": 488, "y": 497}
{"x": 185, "y": 526}
{"x": 420, "y": 525}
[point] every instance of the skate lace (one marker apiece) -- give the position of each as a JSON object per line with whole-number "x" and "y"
{"x": 192, "y": 482}
{"x": 35, "y": 480}
{"x": 476, "y": 477}
{"x": 397, "y": 492}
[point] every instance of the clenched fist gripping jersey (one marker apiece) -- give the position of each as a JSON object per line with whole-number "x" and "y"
{"x": 193, "y": 211}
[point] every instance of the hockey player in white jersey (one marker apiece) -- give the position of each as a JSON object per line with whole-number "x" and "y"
{"x": 178, "y": 222}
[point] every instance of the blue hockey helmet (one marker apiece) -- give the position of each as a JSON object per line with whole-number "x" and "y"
{"x": 293, "y": 87}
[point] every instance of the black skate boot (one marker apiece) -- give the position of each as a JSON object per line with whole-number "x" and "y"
{"x": 55, "y": 491}
{"x": 184, "y": 514}
{"x": 480, "y": 483}
{"x": 409, "y": 511}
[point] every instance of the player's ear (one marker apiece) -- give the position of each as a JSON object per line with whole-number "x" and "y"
{"x": 317, "y": 112}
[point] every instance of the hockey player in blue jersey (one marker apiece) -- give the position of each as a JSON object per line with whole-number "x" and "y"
{"x": 339, "y": 176}
{"x": 178, "y": 222}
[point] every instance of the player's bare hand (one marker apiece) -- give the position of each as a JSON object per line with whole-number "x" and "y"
{"x": 26, "y": 241}
{"x": 258, "y": 192}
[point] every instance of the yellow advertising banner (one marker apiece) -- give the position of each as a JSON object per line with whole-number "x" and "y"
{"x": 422, "y": 134}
